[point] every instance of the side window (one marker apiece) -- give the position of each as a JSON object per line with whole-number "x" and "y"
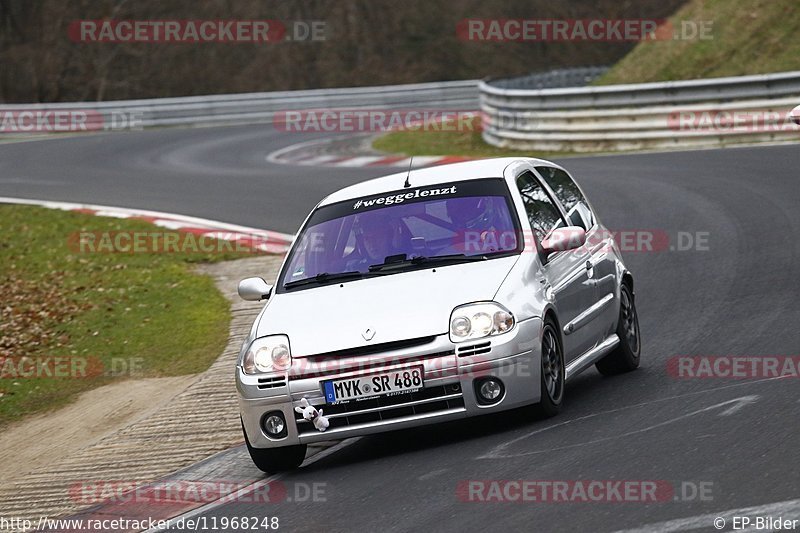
{"x": 569, "y": 195}
{"x": 542, "y": 212}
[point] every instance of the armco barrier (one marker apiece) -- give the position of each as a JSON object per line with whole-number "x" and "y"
{"x": 253, "y": 108}
{"x": 692, "y": 113}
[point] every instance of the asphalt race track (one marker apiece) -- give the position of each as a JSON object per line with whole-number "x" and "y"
{"x": 735, "y": 295}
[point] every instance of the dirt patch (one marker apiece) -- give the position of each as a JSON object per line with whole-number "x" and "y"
{"x": 134, "y": 430}
{"x": 94, "y": 415}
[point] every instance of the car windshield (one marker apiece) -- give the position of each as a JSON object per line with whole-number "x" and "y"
{"x": 403, "y": 230}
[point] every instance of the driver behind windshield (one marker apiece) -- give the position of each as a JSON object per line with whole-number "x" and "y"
{"x": 474, "y": 222}
{"x": 377, "y": 237}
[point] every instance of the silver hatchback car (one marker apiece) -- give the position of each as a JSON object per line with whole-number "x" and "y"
{"x": 443, "y": 293}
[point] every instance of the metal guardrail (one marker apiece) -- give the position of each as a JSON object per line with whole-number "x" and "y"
{"x": 708, "y": 112}
{"x": 692, "y": 113}
{"x": 561, "y": 77}
{"x": 253, "y": 108}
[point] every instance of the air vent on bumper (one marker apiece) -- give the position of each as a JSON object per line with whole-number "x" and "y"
{"x": 474, "y": 349}
{"x": 271, "y": 382}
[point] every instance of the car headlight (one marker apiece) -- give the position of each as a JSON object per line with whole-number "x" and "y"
{"x": 267, "y": 354}
{"x": 475, "y": 321}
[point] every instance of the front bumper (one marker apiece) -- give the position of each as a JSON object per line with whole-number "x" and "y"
{"x": 450, "y": 372}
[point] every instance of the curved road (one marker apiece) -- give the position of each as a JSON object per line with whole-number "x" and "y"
{"x": 738, "y": 296}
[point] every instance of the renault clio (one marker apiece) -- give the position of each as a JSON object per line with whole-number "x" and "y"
{"x": 432, "y": 295}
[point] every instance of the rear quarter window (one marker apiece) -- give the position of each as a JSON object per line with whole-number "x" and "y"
{"x": 570, "y": 196}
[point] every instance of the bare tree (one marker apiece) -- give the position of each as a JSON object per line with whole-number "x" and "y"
{"x": 366, "y": 42}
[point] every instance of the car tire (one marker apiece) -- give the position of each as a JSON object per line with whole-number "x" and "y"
{"x": 627, "y": 354}
{"x": 552, "y": 371}
{"x": 274, "y": 460}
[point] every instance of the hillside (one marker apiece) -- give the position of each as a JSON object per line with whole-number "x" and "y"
{"x": 745, "y": 37}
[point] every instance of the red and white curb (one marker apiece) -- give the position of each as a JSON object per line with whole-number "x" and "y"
{"x": 378, "y": 161}
{"x": 307, "y": 154}
{"x": 263, "y": 240}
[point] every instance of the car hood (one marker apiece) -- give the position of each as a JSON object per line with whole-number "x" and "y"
{"x": 395, "y": 307}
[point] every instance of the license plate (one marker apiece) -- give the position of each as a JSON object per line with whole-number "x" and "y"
{"x": 401, "y": 381}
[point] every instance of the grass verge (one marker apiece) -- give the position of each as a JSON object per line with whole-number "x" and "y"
{"x": 465, "y": 142}
{"x": 744, "y": 37}
{"x": 71, "y": 320}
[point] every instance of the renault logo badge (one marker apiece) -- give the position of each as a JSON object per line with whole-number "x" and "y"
{"x": 368, "y": 334}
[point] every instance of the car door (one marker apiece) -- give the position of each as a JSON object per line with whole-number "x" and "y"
{"x": 599, "y": 258}
{"x": 565, "y": 272}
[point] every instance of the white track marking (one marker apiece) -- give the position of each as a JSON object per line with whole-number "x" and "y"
{"x": 789, "y": 509}
{"x": 735, "y": 408}
{"x": 419, "y": 161}
{"x": 320, "y": 159}
{"x": 497, "y": 451}
{"x": 111, "y": 213}
{"x": 357, "y": 161}
{"x": 277, "y": 155}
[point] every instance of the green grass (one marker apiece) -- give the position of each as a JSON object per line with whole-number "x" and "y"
{"x": 467, "y": 143}
{"x": 105, "y": 307}
{"x": 747, "y": 37}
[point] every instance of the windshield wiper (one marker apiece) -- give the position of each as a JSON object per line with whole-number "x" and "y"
{"x": 426, "y": 261}
{"x": 324, "y": 277}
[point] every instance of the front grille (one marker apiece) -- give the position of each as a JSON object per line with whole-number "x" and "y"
{"x": 475, "y": 349}
{"x": 372, "y": 349}
{"x": 333, "y": 367}
{"x": 271, "y": 382}
{"x": 427, "y": 400}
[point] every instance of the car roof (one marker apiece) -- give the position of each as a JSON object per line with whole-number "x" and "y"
{"x": 442, "y": 174}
